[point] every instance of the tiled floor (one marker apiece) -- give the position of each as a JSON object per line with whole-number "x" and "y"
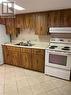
{"x": 19, "y": 81}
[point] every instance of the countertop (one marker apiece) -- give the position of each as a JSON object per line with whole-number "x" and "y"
{"x": 38, "y": 45}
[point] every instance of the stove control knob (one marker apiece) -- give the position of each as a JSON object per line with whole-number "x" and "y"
{"x": 61, "y": 40}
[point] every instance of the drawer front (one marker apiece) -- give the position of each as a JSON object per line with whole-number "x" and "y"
{"x": 38, "y": 51}
{"x": 28, "y": 50}
{"x": 12, "y": 48}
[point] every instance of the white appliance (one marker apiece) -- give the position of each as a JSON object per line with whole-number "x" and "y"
{"x": 60, "y": 29}
{"x": 4, "y": 38}
{"x": 58, "y": 58}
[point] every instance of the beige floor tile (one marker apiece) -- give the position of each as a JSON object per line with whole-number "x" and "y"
{"x": 38, "y": 90}
{"x": 1, "y": 80}
{"x": 22, "y": 83}
{"x": 65, "y": 90}
{"x": 10, "y": 89}
{"x": 25, "y": 91}
{"x": 1, "y": 89}
{"x": 19, "y": 81}
{"x": 54, "y": 92}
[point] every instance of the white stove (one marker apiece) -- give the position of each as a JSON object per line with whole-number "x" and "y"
{"x": 60, "y": 44}
{"x": 58, "y": 58}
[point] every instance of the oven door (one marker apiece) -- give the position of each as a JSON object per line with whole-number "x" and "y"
{"x": 58, "y": 59}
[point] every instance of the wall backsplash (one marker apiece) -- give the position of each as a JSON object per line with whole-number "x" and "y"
{"x": 27, "y": 34}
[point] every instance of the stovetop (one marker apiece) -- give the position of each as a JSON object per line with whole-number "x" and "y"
{"x": 60, "y": 45}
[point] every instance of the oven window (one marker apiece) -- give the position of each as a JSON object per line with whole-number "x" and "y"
{"x": 58, "y": 59}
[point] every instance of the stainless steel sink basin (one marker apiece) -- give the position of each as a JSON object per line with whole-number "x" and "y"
{"x": 24, "y": 44}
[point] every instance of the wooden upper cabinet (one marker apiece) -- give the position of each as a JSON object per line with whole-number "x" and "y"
{"x": 2, "y": 20}
{"x": 19, "y": 21}
{"x": 66, "y": 18}
{"x": 60, "y": 18}
{"x": 25, "y": 21}
{"x": 29, "y": 21}
{"x": 54, "y": 19}
{"x": 41, "y": 24}
{"x": 10, "y": 26}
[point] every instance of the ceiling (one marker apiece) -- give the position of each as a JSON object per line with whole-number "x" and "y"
{"x": 42, "y": 5}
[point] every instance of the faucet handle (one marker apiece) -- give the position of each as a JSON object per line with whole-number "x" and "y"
{"x": 28, "y": 41}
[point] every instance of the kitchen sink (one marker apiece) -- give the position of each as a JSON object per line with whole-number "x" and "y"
{"x": 24, "y": 44}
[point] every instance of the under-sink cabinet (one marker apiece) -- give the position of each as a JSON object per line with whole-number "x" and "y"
{"x": 28, "y": 58}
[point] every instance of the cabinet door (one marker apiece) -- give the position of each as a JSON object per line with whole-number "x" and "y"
{"x": 41, "y": 24}
{"x": 10, "y": 26}
{"x": 7, "y": 55}
{"x": 54, "y": 19}
{"x": 2, "y": 20}
{"x": 26, "y": 60}
{"x": 15, "y": 58}
{"x": 19, "y": 21}
{"x": 38, "y": 62}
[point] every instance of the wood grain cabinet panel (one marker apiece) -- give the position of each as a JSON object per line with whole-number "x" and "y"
{"x": 15, "y": 59}
{"x": 67, "y": 18}
{"x": 28, "y": 58}
{"x": 10, "y": 26}
{"x": 38, "y": 60}
{"x": 19, "y": 21}
{"x": 39, "y": 21}
{"x": 41, "y": 24}
{"x": 7, "y": 55}
{"x": 2, "y": 20}
{"x": 11, "y": 55}
{"x": 54, "y": 19}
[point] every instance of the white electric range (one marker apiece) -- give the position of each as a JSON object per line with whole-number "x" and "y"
{"x": 58, "y": 58}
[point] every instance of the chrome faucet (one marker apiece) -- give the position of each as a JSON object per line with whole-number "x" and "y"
{"x": 28, "y": 42}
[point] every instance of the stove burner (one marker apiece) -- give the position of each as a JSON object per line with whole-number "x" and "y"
{"x": 66, "y": 48}
{"x": 52, "y": 47}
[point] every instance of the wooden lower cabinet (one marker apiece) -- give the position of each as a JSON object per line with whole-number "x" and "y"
{"x": 38, "y": 63}
{"x": 7, "y": 55}
{"x": 15, "y": 58}
{"x": 11, "y": 55}
{"x": 38, "y": 60}
{"x": 28, "y": 58}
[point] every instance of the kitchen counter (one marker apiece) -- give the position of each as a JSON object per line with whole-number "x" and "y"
{"x": 38, "y": 45}
{"x": 28, "y": 57}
